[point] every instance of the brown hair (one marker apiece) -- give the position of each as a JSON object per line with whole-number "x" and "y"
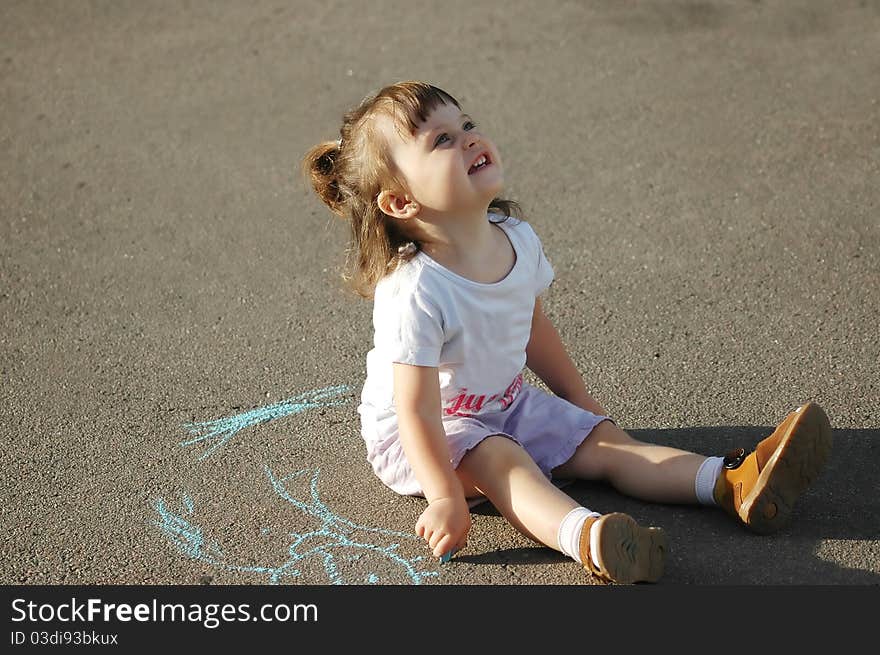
{"x": 349, "y": 174}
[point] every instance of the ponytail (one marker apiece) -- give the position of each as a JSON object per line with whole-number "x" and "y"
{"x": 319, "y": 166}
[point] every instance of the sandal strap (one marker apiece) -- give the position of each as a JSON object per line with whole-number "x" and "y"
{"x": 584, "y": 550}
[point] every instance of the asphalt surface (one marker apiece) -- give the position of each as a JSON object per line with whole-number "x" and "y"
{"x": 705, "y": 177}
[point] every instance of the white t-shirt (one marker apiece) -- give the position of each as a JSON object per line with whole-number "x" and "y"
{"x": 475, "y": 334}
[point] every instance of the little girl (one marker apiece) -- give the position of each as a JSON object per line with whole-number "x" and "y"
{"x": 456, "y": 282}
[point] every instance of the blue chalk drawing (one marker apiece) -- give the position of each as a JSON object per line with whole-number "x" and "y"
{"x": 183, "y": 534}
{"x": 222, "y": 430}
{"x": 340, "y": 532}
{"x": 333, "y": 538}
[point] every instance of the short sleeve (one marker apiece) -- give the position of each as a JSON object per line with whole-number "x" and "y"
{"x": 544, "y": 273}
{"x": 408, "y": 327}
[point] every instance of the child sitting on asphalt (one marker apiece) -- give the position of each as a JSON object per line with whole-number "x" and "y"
{"x": 456, "y": 280}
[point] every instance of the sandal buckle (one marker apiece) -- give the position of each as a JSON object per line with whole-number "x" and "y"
{"x": 734, "y": 458}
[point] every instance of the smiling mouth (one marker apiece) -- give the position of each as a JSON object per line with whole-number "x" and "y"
{"x": 481, "y": 163}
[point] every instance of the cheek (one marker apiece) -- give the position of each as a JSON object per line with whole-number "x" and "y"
{"x": 444, "y": 178}
{"x": 497, "y": 156}
{"x": 440, "y": 184}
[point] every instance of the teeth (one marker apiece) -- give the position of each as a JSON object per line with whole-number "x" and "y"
{"x": 480, "y": 162}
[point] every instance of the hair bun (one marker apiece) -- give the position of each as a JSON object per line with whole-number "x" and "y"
{"x": 326, "y": 161}
{"x": 320, "y": 168}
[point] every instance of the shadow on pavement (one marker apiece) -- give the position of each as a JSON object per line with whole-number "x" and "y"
{"x": 830, "y": 523}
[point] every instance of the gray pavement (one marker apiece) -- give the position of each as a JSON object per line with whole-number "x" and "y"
{"x": 705, "y": 177}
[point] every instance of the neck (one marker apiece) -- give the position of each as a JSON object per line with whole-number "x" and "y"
{"x": 459, "y": 235}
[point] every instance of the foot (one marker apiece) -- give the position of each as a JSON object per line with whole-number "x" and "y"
{"x": 627, "y": 553}
{"x": 760, "y": 488}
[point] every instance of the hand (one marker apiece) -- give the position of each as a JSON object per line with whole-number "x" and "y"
{"x": 445, "y": 524}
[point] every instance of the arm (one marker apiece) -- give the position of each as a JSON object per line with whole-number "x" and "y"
{"x": 446, "y": 521}
{"x": 547, "y": 358}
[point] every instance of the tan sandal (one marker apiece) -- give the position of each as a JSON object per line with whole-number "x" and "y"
{"x": 760, "y": 488}
{"x": 628, "y": 553}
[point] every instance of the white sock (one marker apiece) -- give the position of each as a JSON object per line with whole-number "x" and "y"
{"x": 569, "y": 535}
{"x": 707, "y": 475}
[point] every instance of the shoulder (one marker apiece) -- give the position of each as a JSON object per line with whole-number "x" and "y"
{"x": 512, "y": 224}
{"x": 518, "y": 229}
{"x": 407, "y": 306}
{"x": 411, "y": 284}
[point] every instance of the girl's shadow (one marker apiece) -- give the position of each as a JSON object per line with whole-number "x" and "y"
{"x": 833, "y": 536}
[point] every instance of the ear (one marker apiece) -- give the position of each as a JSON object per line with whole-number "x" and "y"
{"x": 397, "y": 206}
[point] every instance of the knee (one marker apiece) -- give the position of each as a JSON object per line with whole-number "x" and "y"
{"x": 608, "y": 434}
{"x": 498, "y": 445}
{"x": 596, "y": 457}
{"x": 496, "y": 452}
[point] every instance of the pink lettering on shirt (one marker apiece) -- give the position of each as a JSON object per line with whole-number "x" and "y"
{"x": 465, "y": 404}
{"x": 512, "y": 391}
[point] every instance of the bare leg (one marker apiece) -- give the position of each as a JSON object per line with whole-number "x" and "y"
{"x": 635, "y": 468}
{"x": 501, "y": 470}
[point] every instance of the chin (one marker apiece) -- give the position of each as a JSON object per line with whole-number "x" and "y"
{"x": 495, "y": 189}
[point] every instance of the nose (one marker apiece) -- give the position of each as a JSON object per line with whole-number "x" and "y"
{"x": 470, "y": 140}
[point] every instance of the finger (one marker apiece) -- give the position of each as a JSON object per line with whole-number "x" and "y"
{"x": 422, "y": 523}
{"x": 442, "y": 546}
{"x": 436, "y": 536}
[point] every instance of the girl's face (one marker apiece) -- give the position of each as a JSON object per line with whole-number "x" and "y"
{"x": 448, "y": 164}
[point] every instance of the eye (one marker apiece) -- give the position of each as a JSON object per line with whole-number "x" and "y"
{"x": 440, "y": 139}
{"x": 468, "y": 126}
